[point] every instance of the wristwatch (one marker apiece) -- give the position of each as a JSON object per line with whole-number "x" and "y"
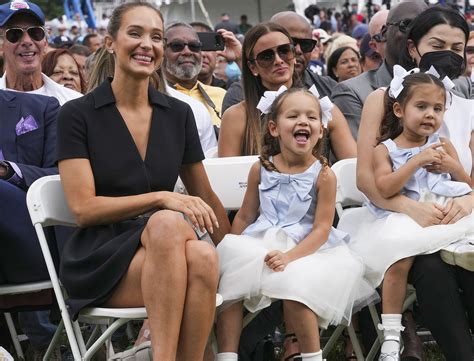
{"x": 8, "y": 168}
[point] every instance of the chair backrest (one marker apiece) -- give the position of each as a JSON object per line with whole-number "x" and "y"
{"x": 347, "y": 193}
{"x": 228, "y": 177}
{"x": 47, "y": 204}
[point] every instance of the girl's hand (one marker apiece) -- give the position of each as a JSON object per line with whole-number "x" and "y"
{"x": 277, "y": 261}
{"x": 457, "y": 208}
{"x": 425, "y": 213}
{"x": 446, "y": 164}
{"x": 199, "y": 213}
{"x": 430, "y": 156}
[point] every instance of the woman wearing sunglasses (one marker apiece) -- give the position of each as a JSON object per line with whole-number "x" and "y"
{"x": 268, "y": 62}
{"x": 437, "y": 37}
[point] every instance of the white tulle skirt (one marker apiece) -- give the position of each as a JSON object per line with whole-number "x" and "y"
{"x": 329, "y": 282}
{"x": 382, "y": 242}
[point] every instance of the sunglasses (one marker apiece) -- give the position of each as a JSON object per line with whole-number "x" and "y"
{"x": 380, "y": 37}
{"x": 266, "y": 57}
{"x": 14, "y": 35}
{"x": 306, "y": 45}
{"x": 177, "y": 46}
{"x": 402, "y": 25}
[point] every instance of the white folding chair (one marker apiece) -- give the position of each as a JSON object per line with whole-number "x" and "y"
{"x": 348, "y": 199}
{"x": 47, "y": 207}
{"x": 16, "y": 289}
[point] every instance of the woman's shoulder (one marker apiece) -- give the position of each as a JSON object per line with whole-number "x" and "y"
{"x": 235, "y": 115}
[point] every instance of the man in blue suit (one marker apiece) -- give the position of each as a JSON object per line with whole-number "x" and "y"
{"x": 27, "y": 152}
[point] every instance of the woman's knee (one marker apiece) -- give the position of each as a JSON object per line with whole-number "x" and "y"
{"x": 202, "y": 261}
{"x": 165, "y": 231}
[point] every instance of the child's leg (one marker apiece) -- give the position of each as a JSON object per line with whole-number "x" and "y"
{"x": 395, "y": 286}
{"x": 229, "y": 327}
{"x": 393, "y": 294}
{"x": 305, "y": 322}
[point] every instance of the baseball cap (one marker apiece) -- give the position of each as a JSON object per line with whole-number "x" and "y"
{"x": 359, "y": 31}
{"x": 9, "y": 9}
{"x": 321, "y": 35}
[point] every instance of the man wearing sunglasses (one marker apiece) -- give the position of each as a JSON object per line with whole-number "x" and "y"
{"x": 182, "y": 65}
{"x": 22, "y": 26}
{"x": 350, "y": 95}
{"x": 377, "y": 41}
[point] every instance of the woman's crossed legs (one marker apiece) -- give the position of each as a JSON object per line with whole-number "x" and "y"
{"x": 175, "y": 277}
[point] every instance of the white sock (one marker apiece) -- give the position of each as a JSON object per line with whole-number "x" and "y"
{"x": 313, "y": 356}
{"x": 227, "y": 356}
{"x": 391, "y": 326}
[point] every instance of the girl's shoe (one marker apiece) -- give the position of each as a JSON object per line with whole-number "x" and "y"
{"x": 394, "y": 355}
{"x": 460, "y": 253}
{"x": 292, "y": 349}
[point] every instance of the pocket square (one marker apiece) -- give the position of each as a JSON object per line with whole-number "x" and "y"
{"x": 26, "y": 125}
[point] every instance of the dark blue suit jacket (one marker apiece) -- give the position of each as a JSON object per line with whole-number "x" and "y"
{"x": 33, "y": 152}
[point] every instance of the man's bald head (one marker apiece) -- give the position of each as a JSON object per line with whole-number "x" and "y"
{"x": 299, "y": 28}
{"x": 396, "y": 40}
{"x": 377, "y": 21}
{"x": 291, "y": 20}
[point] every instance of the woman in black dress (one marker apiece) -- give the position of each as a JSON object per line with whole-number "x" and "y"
{"x": 121, "y": 149}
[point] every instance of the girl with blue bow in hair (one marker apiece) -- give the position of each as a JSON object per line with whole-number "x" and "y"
{"x": 282, "y": 244}
{"x": 413, "y": 160}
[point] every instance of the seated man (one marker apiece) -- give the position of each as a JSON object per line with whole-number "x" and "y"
{"x": 27, "y": 152}
{"x": 182, "y": 65}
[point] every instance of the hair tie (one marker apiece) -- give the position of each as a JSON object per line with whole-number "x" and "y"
{"x": 266, "y": 101}
{"x": 325, "y": 104}
{"x": 399, "y": 74}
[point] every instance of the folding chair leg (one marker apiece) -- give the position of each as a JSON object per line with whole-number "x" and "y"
{"x": 14, "y": 335}
{"x": 103, "y": 338}
{"x": 54, "y": 341}
{"x": 378, "y": 341}
{"x": 79, "y": 338}
{"x": 355, "y": 343}
{"x": 332, "y": 340}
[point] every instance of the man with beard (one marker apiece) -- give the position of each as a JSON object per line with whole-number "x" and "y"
{"x": 182, "y": 65}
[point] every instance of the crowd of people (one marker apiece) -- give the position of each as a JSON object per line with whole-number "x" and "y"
{"x": 122, "y": 112}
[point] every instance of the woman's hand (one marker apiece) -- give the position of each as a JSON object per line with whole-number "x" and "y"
{"x": 199, "y": 213}
{"x": 457, "y": 208}
{"x": 233, "y": 47}
{"x": 425, "y": 213}
{"x": 277, "y": 260}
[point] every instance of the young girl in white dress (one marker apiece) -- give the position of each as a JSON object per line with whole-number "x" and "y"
{"x": 411, "y": 159}
{"x": 282, "y": 244}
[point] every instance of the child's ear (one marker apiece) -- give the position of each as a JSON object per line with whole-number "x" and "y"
{"x": 397, "y": 110}
{"x": 272, "y": 128}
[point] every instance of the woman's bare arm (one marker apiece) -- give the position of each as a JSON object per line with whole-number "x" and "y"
{"x": 231, "y": 135}
{"x": 343, "y": 144}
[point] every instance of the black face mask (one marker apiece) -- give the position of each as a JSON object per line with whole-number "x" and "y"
{"x": 446, "y": 63}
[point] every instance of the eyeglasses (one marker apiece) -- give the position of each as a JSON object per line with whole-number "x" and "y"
{"x": 14, "y": 35}
{"x": 177, "y": 46}
{"x": 266, "y": 57}
{"x": 402, "y": 25}
{"x": 306, "y": 45}
{"x": 380, "y": 37}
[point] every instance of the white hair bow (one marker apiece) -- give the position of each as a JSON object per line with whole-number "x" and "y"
{"x": 399, "y": 74}
{"x": 266, "y": 101}
{"x": 326, "y": 106}
{"x": 448, "y": 84}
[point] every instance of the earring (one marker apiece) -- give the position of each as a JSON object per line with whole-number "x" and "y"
{"x": 255, "y": 74}
{"x": 111, "y": 51}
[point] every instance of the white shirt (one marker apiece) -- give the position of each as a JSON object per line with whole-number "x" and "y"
{"x": 207, "y": 136}
{"x": 50, "y": 88}
{"x": 457, "y": 127}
